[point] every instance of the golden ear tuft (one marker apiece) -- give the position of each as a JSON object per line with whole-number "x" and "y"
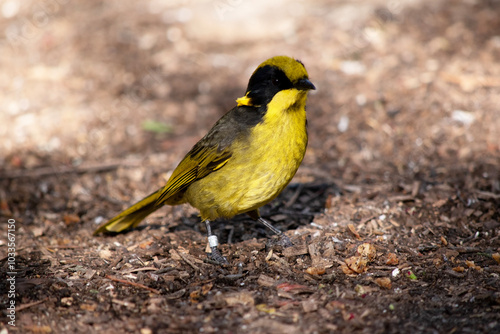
{"x": 244, "y": 101}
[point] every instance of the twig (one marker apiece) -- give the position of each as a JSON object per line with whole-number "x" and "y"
{"x": 115, "y": 263}
{"x": 137, "y": 285}
{"x": 487, "y": 195}
{"x": 462, "y": 249}
{"x": 27, "y": 305}
{"x": 64, "y": 247}
{"x": 454, "y": 274}
{"x": 194, "y": 266}
{"x": 48, "y": 171}
{"x": 402, "y": 198}
{"x": 135, "y": 270}
{"x": 366, "y": 220}
{"x": 164, "y": 270}
{"x": 139, "y": 259}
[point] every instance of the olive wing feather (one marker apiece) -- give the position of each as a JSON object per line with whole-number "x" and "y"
{"x": 199, "y": 162}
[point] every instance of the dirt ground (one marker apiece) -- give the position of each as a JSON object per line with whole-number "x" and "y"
{"x": 394, "y": 213}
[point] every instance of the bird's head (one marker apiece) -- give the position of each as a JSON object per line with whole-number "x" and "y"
{"x": 280, "y": 74}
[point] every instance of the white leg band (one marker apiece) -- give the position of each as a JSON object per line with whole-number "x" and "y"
{"x": 213, "y": 241}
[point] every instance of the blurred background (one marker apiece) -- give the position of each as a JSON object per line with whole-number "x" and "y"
{"x": 405, "y": 81}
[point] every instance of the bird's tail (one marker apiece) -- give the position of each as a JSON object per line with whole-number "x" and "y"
{"x": 132, "y": 216}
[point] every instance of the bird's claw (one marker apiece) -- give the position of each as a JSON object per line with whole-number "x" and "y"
{"x": 284, "y": 241}
{"x": 216, "y": 257}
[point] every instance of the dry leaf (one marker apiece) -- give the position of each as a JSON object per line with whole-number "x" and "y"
{"x": 265, "y": 308}
{"x": 444, "y": 241}
{"x": 145, "y": 244}
{"x": 195, "y": 296}
{"x": 38, "y": 329}
{"x": 362, "y": 290}
{"x": 71, "y": 219}
{"x": 438, "y": 262}
{"x": 310, "y": 305}
{"x": 67, "y": 301}
{"x": 88, "y": 307}
{"x": 106, "y": 254}
{"x": 470, "y": 264}
{"x": 264, "y": 280}
{"x": 357, "y": 264}
{"x": 496, "y": 257}
{"x": 315, "y": 271}
{"x": 368, "y": 251}
{"x": 206, "y": 288}
{"x": 239, "y": 298}
{"x": 352, "y": 229}
{"x": 346, "y": 270}
{"x": 384, "y": 282}
{"x": 269, "y": 255}
{"x": 335, "y": 305}
{"x": 293, "y": 288}
{"x": 440, "y": 203}
{"x": 392, "y": 259}
{"x": 4, "y": 208}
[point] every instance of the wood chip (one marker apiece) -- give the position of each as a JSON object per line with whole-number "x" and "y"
{"x": 137, "y": 285}
{"x": 392, "y": 259}
{"x": 384, "y": 282}
{"x": 239, "y": 298}
{"x": 294, "y": 288}
{"x": 444, "y": 241}
{"x": 315, "y": 271}
{"x": 496, "y": 257}
{"x": 265, "y": 280}
{"x": 352, "y": 229}
{"x": 309, "y": 305}
{"x": 295, "y": 250}
{"x": 368, "y": 251}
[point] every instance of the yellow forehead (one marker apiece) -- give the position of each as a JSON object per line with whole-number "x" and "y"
{"x": 292, "y": 68}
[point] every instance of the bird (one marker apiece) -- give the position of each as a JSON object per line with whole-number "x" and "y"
{"x": 247, "y": 158}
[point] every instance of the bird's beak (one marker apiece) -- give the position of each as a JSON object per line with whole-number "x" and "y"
{"x": 304, "y": 84}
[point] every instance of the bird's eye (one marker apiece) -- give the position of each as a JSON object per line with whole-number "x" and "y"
{"x": 275, "y": 81}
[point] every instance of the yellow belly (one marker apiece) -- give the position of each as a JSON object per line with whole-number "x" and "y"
{"x": 260, "y": 167}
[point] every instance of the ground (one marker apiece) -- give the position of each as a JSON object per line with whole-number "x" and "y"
{"x": 394, "y": 213}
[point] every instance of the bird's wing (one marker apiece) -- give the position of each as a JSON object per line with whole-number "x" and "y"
{"x": 212, "y": 152}
{"x": 202, "y": 160}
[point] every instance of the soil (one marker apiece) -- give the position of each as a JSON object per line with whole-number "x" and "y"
{"x": 394, "y": 213}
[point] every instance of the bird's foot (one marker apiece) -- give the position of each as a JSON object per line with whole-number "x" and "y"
{"x": 280, "y": 242}
{"x": 284, "y": 241}
{"x": 216, "y": 257}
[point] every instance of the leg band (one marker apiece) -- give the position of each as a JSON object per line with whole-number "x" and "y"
{"x": 213, "y": 241}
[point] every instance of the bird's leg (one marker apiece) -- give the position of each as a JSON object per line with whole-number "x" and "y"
{"x": 213, "y": 242}
{"x": 269, "y": 226}
{"x": 284, "y": 239}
